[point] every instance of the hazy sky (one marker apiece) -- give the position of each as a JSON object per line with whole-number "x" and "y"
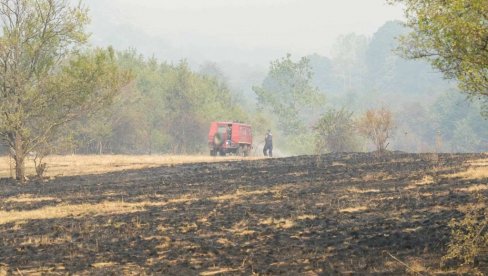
{"x": 297, "y": 26}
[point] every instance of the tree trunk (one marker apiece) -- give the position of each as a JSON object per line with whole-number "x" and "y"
{"x": 19, "y": 158}
{"x": 100, "y": 148}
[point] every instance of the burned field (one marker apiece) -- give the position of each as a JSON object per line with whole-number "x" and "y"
{"x": 348, "y": 213}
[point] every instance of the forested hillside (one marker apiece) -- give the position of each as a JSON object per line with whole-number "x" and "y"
{"x": 430, "y": 112}
{"x": 167, "y": 107}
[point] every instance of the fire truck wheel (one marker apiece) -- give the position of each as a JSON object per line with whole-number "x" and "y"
{"x": 218, "y": 139}
{"x": 247, "y": 150}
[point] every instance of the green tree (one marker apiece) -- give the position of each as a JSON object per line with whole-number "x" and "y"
{"x": 453, "y": 36}
{"x": 166, "y": 108}
{"x": 288, "y": 93}
{"x": 46, "y": 78}
{"x": 335, "y": 132}
{"x": 459, "y": 122}
{"x": 191, "y": 102}
{"x": 348, "y": 55}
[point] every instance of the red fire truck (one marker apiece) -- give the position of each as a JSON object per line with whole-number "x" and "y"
{"x": 230, "y": 138}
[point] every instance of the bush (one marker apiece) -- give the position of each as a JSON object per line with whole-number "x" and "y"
{"x": 377, "y": 125}
{"x": 470, "y": 235}
{"x": 334, "y": 132}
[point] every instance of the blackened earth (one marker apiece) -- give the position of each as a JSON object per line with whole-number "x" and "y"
{"x": 344, "y": 214}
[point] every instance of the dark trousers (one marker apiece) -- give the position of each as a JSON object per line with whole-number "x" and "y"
{"x": 268, "y": 150}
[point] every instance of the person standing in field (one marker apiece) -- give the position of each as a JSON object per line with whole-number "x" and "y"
{"x": 268, "y": 144}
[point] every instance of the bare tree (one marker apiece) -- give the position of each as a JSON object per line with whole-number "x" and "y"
{"x": 377, "y": 125}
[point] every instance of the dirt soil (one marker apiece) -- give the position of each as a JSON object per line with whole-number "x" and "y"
{"x": 347, "y": 214}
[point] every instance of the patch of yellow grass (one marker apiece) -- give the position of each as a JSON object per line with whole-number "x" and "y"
{"x": 388, "y": 198}
{"x": 478, "y": 169}
{"x": 305, "y": 217}
{"x": 27, "y": 198}
{"x": 75, "y": 210}
{"x": 218, "y": 271}
{"x": 224, "y": 241}
{"x": 115, "y": 207}
{"x": 475, "y": 188}
{"x": 472, "y": 173}
{"x": 241, "y": 229}
{"x": 436, "y": 209}
{"x": 427, "y": 180}
{"x": 183, "y": 199}
{"x": 377, "y": 176}
{"x": 411, "y": 230}
{"x": 416, "y": 265}
{"x": 362, "y": 191}
{"x": 479, "y": 162}
{"x": 278, "y": 223}
{"x": 133, "y": 269}
{"x": 69, "y": 165}
{"x": 61, "y": 211}
{"x": 354, "y": 209}
{"x": 104, "y": 264}
{"x": 38, "y": 271}
{"x": 467, "y": 207}
{"x": 3, "y": 269}
{"x": 238, "y": 194}
{"x": 46, "y": 240}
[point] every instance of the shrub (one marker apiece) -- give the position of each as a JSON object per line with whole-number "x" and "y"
{"x": 377, "y": 125}
{"x": 334, "y": 132}
{"x": 469, "y": 235}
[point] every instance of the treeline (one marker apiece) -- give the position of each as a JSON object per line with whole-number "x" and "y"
{"x": 166, "y": 108}
{"x": 363, "y": 73}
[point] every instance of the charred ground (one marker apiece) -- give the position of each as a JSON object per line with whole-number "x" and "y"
{"x": 344, "y": 213}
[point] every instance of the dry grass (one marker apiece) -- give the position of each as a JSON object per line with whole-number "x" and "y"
{"x": 241, "y": 229}
{"x": 70, "y": 165}
{"x": 3, "y": 269}
{"x": 355, "y": 190}
{"x": 474, "y": 189}
{"x": 427, "y": 180}
{"x": 46, "y": 240}
{"x": 472, "y": 173}
{"x": 306, "y": 217}
{"x": 478, "y": 169}
{"x": 379, "y": 176}
{"x": 354, "y": 209}
{"x": 278, "y": 223}
{"x": 417, "y": 266}
{"x": 26, "y": 198}
{"x": 114, "y": 207}
{"x": 76, "y": 210}
{"x": 63, "y": 210}
{"x": 218, "y": 271}
{"x": 104, "y": 264}
{"x": 469, "y": 207}
{"x": 479, "y": 162}
{"x": 239, "y": 194}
